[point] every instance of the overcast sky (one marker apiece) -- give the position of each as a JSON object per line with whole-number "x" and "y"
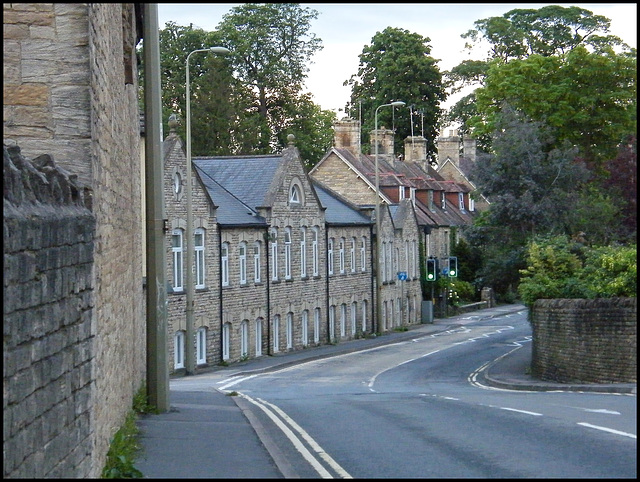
{"x": 345, "y": 28}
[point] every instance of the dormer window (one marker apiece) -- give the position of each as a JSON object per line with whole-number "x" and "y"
{"x": 443, "y": 200}
{"x": 461, "y": 201}
{"x": 296, "y": 194}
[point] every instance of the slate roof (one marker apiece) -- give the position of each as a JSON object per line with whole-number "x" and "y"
{"x": 248, "y": 178}
{"x": 338, "y": 211}
{"x": 238, "y": 185}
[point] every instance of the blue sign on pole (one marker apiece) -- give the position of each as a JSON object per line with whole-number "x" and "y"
{"x": 402, "y": 275}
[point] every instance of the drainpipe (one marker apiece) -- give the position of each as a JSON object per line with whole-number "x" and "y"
{"x": 268, "y": 277}
{"x": 220, "y": 293}
{"x": 157, "y": 368}
{"x": 373, "y": 284}
{"x": 326, "y": 270}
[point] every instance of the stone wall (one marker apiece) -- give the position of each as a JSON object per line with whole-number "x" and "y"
{"x": 48, "y": 324}
{"x": 588, "y": 341}
{"x": 71, "y": 91}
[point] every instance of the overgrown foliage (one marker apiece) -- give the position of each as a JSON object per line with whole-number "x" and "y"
{"x": 125, "y": 446}
{"x": 558, "y": 267}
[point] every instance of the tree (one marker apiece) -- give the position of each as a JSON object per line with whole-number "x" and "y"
{"x": 271, "y": 46}
{"x": 519, "y": 33}
{"x": 589, "y": 99}
{"x": 397, "y": 66}
{"x": 531, "y": 186}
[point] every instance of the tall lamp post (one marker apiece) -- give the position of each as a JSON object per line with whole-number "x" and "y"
{"x": 397, "y": 103}
{"x": 189, "y": 352}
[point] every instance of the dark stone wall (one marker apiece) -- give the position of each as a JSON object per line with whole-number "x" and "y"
{"x": 588, "y": 341}
{"x": 48, "y": 340}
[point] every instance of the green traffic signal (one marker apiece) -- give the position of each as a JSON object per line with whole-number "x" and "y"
{"x": 453, "y": 266}
{"x": 431, "y": 270}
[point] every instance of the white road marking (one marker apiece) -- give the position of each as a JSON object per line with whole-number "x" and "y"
{"x": 267, "y": 408}
{"x": 232, "y": 382}
{"x": 520, "y": 411}
{"x": 610, "y": 430}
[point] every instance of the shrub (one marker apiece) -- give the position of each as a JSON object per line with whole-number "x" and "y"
{"x": 560, "y": 268}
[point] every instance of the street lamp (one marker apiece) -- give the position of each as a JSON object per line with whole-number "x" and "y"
{"x": 397, "y": 103}
{"x": 189, "y": 352}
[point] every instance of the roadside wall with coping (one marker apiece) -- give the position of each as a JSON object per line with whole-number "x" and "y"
{"x": 588, "y": 341}
{"x": 48, "y": 341}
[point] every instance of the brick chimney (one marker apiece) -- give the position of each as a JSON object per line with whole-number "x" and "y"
{"x": 385, "y": 143}
{"x": 415, "y": 149}
{"x": 449, "y": 146}
{"x": 469, "y": 149}
{"x": 346, "y": 135}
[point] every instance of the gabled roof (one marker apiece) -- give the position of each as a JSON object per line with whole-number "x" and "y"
{"x": 339, "y": 211}
{"x": 230, "y": 211}
{"x": 248, "y": 178}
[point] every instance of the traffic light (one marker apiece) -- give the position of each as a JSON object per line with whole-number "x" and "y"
{"x": 432, "y": 270}
{"x": 453, "y": 266}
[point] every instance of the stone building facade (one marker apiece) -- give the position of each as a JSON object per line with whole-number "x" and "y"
{"x": 282, "y": 261}
{"x": 440, "y": 205}
{"x": 71, "y": 92}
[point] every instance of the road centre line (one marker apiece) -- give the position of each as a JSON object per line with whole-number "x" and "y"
{"x": 610, "y": 430}
{"x": 526, "y": 412}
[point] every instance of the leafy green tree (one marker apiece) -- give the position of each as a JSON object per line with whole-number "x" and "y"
{"x": 589, "y": 99}
{"x": 548, "y": 31}
{"x": 271, "y": 46}
{"x": 532, "y": 188}
{"x": 397, "y": 66}
{"x": 312, "y": 128}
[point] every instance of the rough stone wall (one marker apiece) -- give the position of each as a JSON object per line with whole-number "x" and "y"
{"x": 47, "y": 82}
{"x": 350, "y": 286}
{"x": 115, "y": 153}
{"x": 296, "y": 294}
{"x": 334, "y": 173}
{"x": 206, "y": 312}
{"x": 48, "y": 340}
{"x": 71, "y": 91}
{"x": 589, "y": 341}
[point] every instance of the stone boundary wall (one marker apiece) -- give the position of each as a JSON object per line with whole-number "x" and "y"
{"x": 48, "y": 341}
{"x": 588, "y": 341}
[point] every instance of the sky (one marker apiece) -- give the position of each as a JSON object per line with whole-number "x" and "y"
{"x": 345, "y": 28}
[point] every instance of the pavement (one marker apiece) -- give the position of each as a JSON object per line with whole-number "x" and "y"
{"x": 209, "y": 434}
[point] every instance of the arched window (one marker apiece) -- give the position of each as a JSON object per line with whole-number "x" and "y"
{"x": 341, "y": 257}
{"x": 363, "y": 254}
{"x": 198, "y": 243}
{"x": 244, "y": 338}
{"x": 201, "y": 345}
{"x": 289, "y": 330}
{"x": 354, "y": 318}
{"x": 316, "y": 325}
{"x": 226, "y": 341}
{"x": 178, "y": 350}
{"x": 259, "y": 337}
{"x": 343, "y": 320}
{"x": 224, "y": 263}
{"x": 242, "y": 259}
{"x": 177, "y": 249}
{"x": 305, "y": 327}
{"x": 276, "y": 333}
{"x": 295, "y": 197}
